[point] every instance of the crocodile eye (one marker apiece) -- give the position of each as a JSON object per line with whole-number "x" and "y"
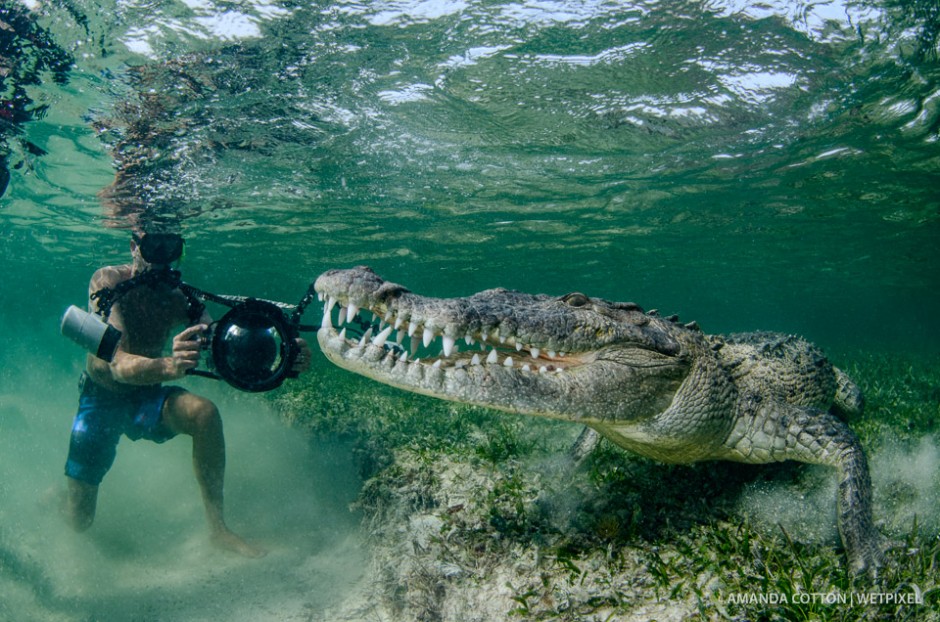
{"x": 576, "y": 300}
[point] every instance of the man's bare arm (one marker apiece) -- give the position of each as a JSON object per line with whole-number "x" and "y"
{"x": 129, "y": 368}
{"x": 103, "y": 278}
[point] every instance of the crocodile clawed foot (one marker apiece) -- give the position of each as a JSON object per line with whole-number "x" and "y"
{"x": 865, "y": 563}
{"x": 585, "y": 445}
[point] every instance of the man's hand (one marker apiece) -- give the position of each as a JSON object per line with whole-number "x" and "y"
{"x": 302, "y": 362}
{"x": 187, "y": 348}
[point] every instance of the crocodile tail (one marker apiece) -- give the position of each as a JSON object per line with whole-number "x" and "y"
{"x": 848, "y": 399}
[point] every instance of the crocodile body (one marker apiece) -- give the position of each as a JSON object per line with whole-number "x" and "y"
{"x": 648, "y": 383}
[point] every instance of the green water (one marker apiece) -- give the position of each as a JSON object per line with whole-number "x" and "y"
{"x": 765, "y": 165}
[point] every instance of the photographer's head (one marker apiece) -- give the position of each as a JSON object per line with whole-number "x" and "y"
{"x": 155, "y": 249}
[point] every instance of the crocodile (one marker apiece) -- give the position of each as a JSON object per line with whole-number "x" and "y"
{"x": 650, "y": 384}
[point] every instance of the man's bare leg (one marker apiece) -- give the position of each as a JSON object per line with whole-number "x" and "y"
{"x": 81, "y": 500}
{"x": 197, "y": 417}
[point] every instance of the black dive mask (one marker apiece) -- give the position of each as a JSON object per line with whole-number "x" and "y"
{"x": 159, "y": 248}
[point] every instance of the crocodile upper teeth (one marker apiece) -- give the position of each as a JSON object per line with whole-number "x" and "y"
{"x": 422, "y": 331}
{"x": 448, "y": 343}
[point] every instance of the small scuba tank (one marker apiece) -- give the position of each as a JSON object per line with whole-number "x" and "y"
{"x": 90, "y": 332}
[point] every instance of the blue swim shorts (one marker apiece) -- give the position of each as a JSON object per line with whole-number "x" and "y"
{"x": 103, "y": 416}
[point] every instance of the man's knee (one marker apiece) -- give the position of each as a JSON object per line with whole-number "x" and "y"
{"x": 191, "y": 414}
{"x": 204, "y": 413}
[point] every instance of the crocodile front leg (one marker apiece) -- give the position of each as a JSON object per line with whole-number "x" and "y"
{"x": 585, "y": 444}
{"x": 774, "y": 432}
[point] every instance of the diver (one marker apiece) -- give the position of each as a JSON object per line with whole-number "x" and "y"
{"x": 146, "y": 301}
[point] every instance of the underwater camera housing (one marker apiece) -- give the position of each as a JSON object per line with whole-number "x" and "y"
{"x": 253, "y": 347}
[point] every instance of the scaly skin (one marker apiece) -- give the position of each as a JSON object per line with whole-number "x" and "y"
{"x": 649, "y": 384}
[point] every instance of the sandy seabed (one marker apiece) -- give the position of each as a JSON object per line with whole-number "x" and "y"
{"x": 148, "y": 556}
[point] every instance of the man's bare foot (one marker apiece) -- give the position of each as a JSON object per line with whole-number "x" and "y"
{"x": 229, "y": 541}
